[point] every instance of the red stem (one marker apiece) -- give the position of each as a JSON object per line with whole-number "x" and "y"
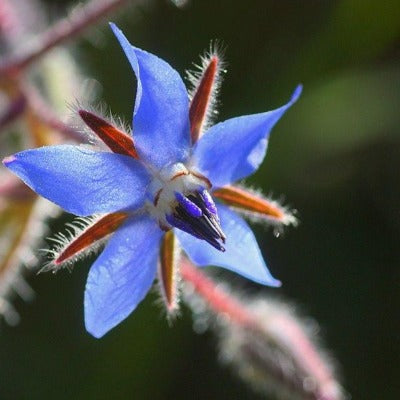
{"x": 217, "y": 299}
{"x": 61, "y": 31}
{"x": 13, "y": 111}
{"x": 46, "y": 115}
{"x": 281, "y": 327}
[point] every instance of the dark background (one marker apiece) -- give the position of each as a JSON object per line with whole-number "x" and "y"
{"x": 334, "y": 157}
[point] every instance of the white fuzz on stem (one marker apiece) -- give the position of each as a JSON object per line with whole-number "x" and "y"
{"x": 268, "y": 345}
{"x": 279, "y": 355}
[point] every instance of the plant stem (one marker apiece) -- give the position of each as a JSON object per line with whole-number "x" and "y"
{"x": 14, "y": 109}
{"x": 278, "y": 327}
{"x": 62, "y": 30}
{"x": 46, "y": 115}
{"x": 216, "y": 298}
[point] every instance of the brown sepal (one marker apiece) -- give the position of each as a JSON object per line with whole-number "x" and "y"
{"x": 117, "y": 140}
{"x": 202, "y": 98}
{"x": 245, "y": 200}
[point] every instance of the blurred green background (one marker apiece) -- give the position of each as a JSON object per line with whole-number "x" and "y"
{"x": 335, "y": 158}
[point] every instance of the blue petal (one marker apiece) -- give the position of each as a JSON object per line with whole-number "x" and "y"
{"x": 122, "y": 275}
{"x": 161, "y": 114}
{"x": 234, "y": 149}
{"x": 242, "y": 253}
{"x": 81, "y": 181}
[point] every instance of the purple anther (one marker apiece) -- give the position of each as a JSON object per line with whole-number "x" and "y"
{"x": 182, "y": 225}
{"x": 190, "y": 207}
{"x": 193, "y": 230}
{"x": 208, "y": 201}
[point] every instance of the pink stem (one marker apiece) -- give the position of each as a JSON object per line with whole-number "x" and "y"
{"x": 14, "y": 189}
{"x": 283, "y": 328}
{"x": 219, "y": 300}
{"x": 13, "y": 111}
{"x": 46, "y": 115}
{"x": 293, "y": 337}
{"x": 61, "y": 31}
{"x": 9, "y": 21}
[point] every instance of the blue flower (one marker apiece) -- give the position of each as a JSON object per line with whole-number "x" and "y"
{"x": 161, "y": 185}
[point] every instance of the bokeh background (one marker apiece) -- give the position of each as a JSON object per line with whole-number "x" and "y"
{"x": 335, "y": 158}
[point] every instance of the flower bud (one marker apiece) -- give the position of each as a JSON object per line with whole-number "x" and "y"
{"x": 269, "y": 346}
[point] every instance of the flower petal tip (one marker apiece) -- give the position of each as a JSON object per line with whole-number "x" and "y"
{"x": 8, "y": 160}
{"x": 266, "y": 280}
{"x": 275, "y": 283}
{"x": 297, "y": 92}
{"x": 93, "y": 324}
{"x": 113, "y": 26}
{"x": 94, "y": 330}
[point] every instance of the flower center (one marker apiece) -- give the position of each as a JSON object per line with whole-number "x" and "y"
{"x": 180, "y": 199}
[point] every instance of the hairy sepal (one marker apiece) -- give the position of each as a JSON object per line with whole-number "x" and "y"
{"x": 169, "y": 273}
{"x": 258, "y": 208}
{"x": 115, "y": 138}
{"x": 84, "y": 236}
{"x": 205, "y": 83}
{"x": 103, "y": 113}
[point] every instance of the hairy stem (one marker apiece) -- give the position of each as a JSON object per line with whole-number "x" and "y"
{"x": 279, "y": 329}
{"x": 216, "y": 298}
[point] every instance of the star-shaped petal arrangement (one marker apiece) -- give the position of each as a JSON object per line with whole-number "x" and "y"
{"x": 156, "y": 187}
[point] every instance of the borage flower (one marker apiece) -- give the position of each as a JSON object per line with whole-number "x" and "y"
{"x": 156, "y": 187}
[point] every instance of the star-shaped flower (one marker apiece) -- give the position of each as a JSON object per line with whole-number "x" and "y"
{"x": 156, "y": 185}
